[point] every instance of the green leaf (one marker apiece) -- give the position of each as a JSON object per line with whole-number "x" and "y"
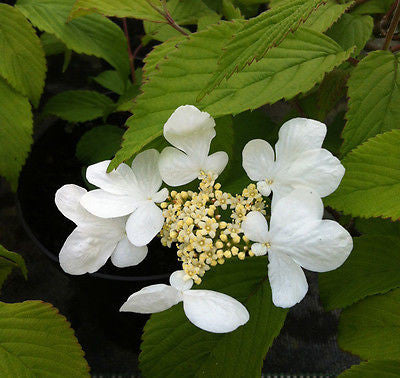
{"x": 92, "y": 34}
{"x": 98, "y": 144}
{"x": 9, "y": 261}
{"x": 374, "y": 92}
{"x": 373, "y": 369}
{"x": 229, "y": 10}
{"x": 371, "y": 328}
{"x": 325, "y": 16}
{"x": 372, "y": 268}
{"x": 140, "y": 9}
{"x": 111, "y": 80}
{"x": 183, "y": 350}
{"x": 15, "y": 132}
{"x": 22, "y": 61}
{"x": 352, "y": 30}
{"x": 373, "y": 6}
{"x": 371, "y": 185}
{"x": 257, "y": 36}
{"x": 36, "y": 341}
{"x": 378, "y": 226}
{"x": 205, "y": 21}
{"x": 291, "y": 68}
{"x": 51, "y": 44}
{"x": 79, "y": 106}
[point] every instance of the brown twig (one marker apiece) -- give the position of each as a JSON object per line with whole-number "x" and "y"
{"x": 131, "y": 56}
{"x": 170, "y": 20}
{"x": 386, "y": 18}
{"x": 353, "y": 61}
{"x": 392, "y": 27}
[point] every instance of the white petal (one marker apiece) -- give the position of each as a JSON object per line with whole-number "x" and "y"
{"x": 107, "y": 205}
{"x": 178, "y": 281}
{"x": 287, "y": 279}
{"x": 85, "y": 253}
{"x": 297, "y": 136}
{"x": 119, "y": 181}
{"x": 145, "y": 168}
{"x": 258, "y": 159}
{"x": 216, "y": 163}
{"x": 126, "y": 254}
{"x": 317, "y": 169}
{"x": 67, "y": 200}
{"x": 264, "y": 188}
{"x": 214, "y": 312}
{"x": 190, "y": 130}
{"x": 319, "y": 246}
{"x": 259, "y": 249}
{"x": 144, "y": 224}
{"x": 160, "y": 196}
{"x": 151, "y": 299}
{"x": 177, "y": 168}
{"x": 255, "y": 227}
{"x": 292, "y": 211}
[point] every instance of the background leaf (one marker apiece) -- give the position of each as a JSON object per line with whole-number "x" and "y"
{"x": 180, "y": 348}
{"x": 36, "y": 341}
{"x": 291, "y": 68}
{"x": 15, "y": 132}
{"x": 92, "y": 34}
{"x": 140, "y": 9}
{"x": 22, "y": 61}
{"x": 373, "y": 6}
{"x": 111, "y": 80}
{"x": 79, "y": 106}
{"x": 9, "y": 261}
{"x": 373, "y": 369}
{"x": 374, "y": 92}
{"x": 371, "y": 185}
{"x": 371, "y": 327}
{"x": 372, "y": 268}
{"x": 258, "y": 35}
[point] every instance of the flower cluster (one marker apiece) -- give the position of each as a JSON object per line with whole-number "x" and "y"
{"x": 209, "y": 226}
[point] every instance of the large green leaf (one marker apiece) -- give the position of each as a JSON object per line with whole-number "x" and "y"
{"x": 371, "y": 328}
{"x": 374, "y": 369}
{"x": 377, "y": 226}
{"x": 22, "y": 61}
{"x": 352, "y": 30}
{"x": 182, "y": 350}
{"x": 291, "y": 68}
{"x": 371, "y": 185}
{"x": 374, "y": 92}
{"x": 15, "y": 132}
{"x": 92, "y": 34}
{"x": 258, "y": 35}
{"x": 36, "y": 341}
{"x": 140, "y": 9}
{"x": 373, "y": 6}
{"x": 79, "y": 106}
{"x": 9, "y": 261}
{"x": 325, "y": 16}
{"x": 372, "y": 268}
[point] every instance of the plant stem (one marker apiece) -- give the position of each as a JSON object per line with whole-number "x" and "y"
{"x": 131, "y": 56}
{"x": 392, "y": 27}
{"x": 170, "y": 20}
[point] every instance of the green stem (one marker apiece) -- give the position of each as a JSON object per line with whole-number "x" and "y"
{"x": 392, "y": 27}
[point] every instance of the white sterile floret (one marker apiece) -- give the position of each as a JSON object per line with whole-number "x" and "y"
{"x": 297, "y": 237}
{"x": 190, "y": 131}
{"x": 129, "y": 191}
{"x": 299, "y": 162}
{"x": 206, "y": 309}
{"x": 94, "y": 239}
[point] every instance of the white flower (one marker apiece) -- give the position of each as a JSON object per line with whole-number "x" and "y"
{"x": 206, "y": 309}
{"x": 297, "y": 237}
{"x": 94, "y": 239}
{"x": 299, "y": 161}
{"x": 191, "y": 132}
{"x": 129, "y": 191}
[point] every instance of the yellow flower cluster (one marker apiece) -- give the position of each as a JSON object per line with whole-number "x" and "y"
{"x": 205, "y": 225}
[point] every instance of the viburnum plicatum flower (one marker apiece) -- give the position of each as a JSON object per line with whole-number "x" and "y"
{"x": 94, "y": 239}
{"x": 297, "y": 237}
{"x": 129, "y": 191}
{"x": 206, "y": 309}
{"x": 190, "y": 131}
{"x": 298, "y": 161}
